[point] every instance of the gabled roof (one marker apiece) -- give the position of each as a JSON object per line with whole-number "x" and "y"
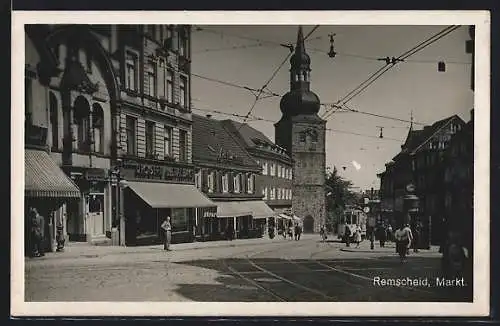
{"x": 210, "y": 137}
{"x": 417, "y": 138}
{"x": 251, "y": 138}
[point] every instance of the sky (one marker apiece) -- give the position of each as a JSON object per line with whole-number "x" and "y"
{"x": 248, "y": 56}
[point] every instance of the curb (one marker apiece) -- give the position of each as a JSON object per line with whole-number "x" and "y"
{"x": 143, "y": 250}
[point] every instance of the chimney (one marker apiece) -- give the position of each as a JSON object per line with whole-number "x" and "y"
{"x": 209, "y": 116}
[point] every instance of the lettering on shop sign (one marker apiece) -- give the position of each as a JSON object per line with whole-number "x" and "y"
{"x": 156, "y": 172}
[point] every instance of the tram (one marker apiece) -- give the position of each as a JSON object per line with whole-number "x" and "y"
{"x": 352, "y": 217}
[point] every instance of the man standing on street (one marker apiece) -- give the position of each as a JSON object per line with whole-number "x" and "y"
{"x": 37, "y": 232}
{"x": 167, "y": 231}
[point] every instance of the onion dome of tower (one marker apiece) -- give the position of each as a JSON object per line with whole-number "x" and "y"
{"x": 300, "y": 99}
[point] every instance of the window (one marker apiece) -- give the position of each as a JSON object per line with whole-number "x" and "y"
{"x": 183, "y": 91}
{"x": 170, "y": 86}
{"x": 250, "y": 189}
{"x": 314, "y": 136}
{"x": 264, "y": 192}
{"x": 211, "y": 182}
{"x": 183, "y": 50}
{"x": 54, "y": 120}
{"x": 167, "y": 141}
{"x": 237, "y": 183}
{"x": 179, "y": 219}
{"x": 273, "y": 170}
{"x": 150, "y": 143}
{"x": 271, "y": 195}
{"x": 225, "y": 183}
{"x": 291, "y": 174}
{"x": 131, "y": 141}
{"x": 197, "y": 179}
{"x": 302, "y": 137}
{"x": 28, "y": 106}
{"x": 264, "y": 168}
{"x": 151, "y": 79}
{"x": 162, "y": 80}
{"x": 279, "y": 193}
{"x": 279, "y": 170}
{"x": 98, "y": 126}
{"x": 182, "y": 145}
{"x": 131, "y": 71}
{"x": 82, "y": 115}
{"x": 413, "y": 165}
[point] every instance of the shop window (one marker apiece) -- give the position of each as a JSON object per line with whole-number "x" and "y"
{"x": 81, "y": 115}
{"x": 131, "y": 124}
{"x": 183, "y": 145}
{"x": 98, "y": 127}
{"x": 183, "y": 91}
{"x": 170, "y": 86}
{"x": 150, "y": 136}
{"x": 179, "y": 219}
{"x": 54, "y": 127}
{"x": 131, "y": 70}
{"x": 167, "y": 141}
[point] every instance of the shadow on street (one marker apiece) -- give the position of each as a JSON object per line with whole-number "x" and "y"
{"x": 303, "y": 280}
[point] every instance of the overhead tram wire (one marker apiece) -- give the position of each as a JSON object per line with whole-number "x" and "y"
{"x": 403, "y": 57}
{"x": 257, "y": 97}
{"x": 360, "y": 88}
{"x": 389, "y": 66}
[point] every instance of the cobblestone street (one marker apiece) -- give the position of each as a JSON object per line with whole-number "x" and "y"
{"x": 242, "y": 270}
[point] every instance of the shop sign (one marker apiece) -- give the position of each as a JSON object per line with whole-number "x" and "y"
{"x": 95, "y": 175}
{"x": 137, "y": 170}
{"x": 210, "y": 214}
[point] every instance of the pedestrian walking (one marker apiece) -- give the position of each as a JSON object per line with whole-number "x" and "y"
{"x": 416, "y": 236}
{"x": 403, "y": 239}
{"x": 382, "y": 235}
{"x": 390, "y": 235}
{"x": 357, "y": 236}
{"x": 37, "y": 232}
{"x": 347, "y": 236}
{"x": 167, "y": 230}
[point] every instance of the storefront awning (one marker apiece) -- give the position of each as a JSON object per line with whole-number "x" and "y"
{"x": 259, "y": 209}
{"x": 232, "y": 209}
{"x": 169, "y": 195}
{"x": 43, "y": 178}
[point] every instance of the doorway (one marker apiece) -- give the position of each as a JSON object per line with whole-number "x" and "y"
{"x": 308, "y": 224}
{"x": 95, "y": 209}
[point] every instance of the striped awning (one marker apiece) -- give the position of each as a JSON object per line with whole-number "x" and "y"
{"x": 43, "y": 178}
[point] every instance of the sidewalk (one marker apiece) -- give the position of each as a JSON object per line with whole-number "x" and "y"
{"x": 390, "y": 247}
{"x": 85, "y": 250}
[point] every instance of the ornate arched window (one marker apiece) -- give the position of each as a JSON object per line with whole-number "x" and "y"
{"x": 82, "y": 123}
{"x": 98, "y": 127}
{"x": 54, "y": 125}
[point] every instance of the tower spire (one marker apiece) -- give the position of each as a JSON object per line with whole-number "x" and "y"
{"x": 300, "y": 48}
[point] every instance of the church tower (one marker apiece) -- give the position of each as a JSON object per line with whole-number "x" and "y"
{"x": 302, "y": 133}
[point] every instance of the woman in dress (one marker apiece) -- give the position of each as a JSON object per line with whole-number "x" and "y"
{"x": 357, "y": 236}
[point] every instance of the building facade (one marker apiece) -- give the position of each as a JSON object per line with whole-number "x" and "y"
{"x": 275, "y": 181}
{"x": 302, "y": 133}
{"x": 226, "y": 173}
{"x": 116, "y": 107}
{"x": 418, "y": 164}
{"x": 154, "y": 153}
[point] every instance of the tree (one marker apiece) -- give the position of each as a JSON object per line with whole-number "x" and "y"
{"x": 338, "y": 195}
